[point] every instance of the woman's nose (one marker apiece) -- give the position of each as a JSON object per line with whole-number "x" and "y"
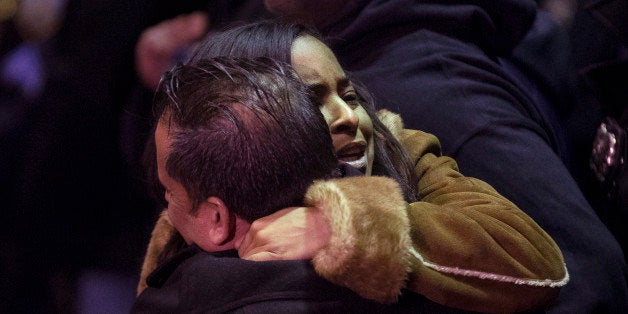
{"x": 344, "y": 119}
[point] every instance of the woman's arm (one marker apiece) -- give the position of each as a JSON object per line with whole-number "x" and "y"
{"x": 474, "y": 253}
{"x": 472, "y": 248}
{"x": 357, "y": 237}
{"x": 369, "y": 247}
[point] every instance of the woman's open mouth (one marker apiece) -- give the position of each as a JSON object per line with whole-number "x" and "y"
{"x": 353, "y": 154}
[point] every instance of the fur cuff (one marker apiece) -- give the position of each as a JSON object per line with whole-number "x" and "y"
{"x": 370, "y": 243}
{"x": 162, "y": 233}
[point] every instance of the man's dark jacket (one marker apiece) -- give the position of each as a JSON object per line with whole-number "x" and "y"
{"x": 194, "y": 281}
{"x": 441, "y": 65}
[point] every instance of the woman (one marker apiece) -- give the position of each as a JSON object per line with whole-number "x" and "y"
{"x": 472, "y": 249}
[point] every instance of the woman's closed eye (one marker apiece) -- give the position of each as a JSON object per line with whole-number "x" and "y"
{"x": 351, "y": 98}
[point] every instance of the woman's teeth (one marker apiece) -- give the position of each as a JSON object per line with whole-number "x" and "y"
{"x": 359, "y": 163}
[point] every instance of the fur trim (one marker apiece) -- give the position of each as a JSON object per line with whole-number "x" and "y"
{"x": 392, "y": 121}
{"x": 369, "y": 235}
{"x": 162, "y": 233}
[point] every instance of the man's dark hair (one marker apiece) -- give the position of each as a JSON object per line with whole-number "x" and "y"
{"x": 244, "y": 131}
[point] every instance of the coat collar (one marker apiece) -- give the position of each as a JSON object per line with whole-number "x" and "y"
{"x": 161, "y": 274}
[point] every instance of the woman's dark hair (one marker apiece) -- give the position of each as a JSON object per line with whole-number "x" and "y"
{"x": 391, "y": 158}
{"x": 274, "y": 39}
{"x": 271, "y": 39}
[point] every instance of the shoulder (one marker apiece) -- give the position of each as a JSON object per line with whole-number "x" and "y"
{"x": 205, "y": 283}
{"x": 193, "y": 280}
{"x": 417, "y": 143}
{"x": 223, "y": 284}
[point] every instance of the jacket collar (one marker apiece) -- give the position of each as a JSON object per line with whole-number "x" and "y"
{"x": 161, "y": 274}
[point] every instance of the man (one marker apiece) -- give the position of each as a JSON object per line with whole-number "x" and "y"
{"x": 228, "y": 134}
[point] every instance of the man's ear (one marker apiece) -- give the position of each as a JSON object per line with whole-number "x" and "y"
{"x": 217, "y": 219}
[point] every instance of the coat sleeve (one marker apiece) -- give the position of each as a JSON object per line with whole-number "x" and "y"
{"x": 472, "y": 248}
{"x": 369, "y": 248}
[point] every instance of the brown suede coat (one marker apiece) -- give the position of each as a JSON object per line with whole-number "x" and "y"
{"x": 463, "y": 245}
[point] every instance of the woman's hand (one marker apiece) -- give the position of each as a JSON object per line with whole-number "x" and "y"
{"x": 289, "y": 234}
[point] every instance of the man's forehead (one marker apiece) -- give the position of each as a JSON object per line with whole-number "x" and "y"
{"x": 165, "y": 120}
{"x": 162, "y": 131}
{"x": 162, "y": 140}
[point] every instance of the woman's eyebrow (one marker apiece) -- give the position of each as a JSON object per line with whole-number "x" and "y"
{"x": 344, "y": 83}
{"x": 318, "y": 89}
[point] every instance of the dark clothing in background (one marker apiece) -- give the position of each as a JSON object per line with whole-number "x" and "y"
{"x": 437, "y": 64}
{"x": 580, "y": 68}
{"x": 599, "y": 37}
{"x": 72, "y": 206}
{"x": 194, "y": 281}
{"x": 74, "y": 184}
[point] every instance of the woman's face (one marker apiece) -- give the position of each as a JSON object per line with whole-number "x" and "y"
{"x": 350, "y": 126}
